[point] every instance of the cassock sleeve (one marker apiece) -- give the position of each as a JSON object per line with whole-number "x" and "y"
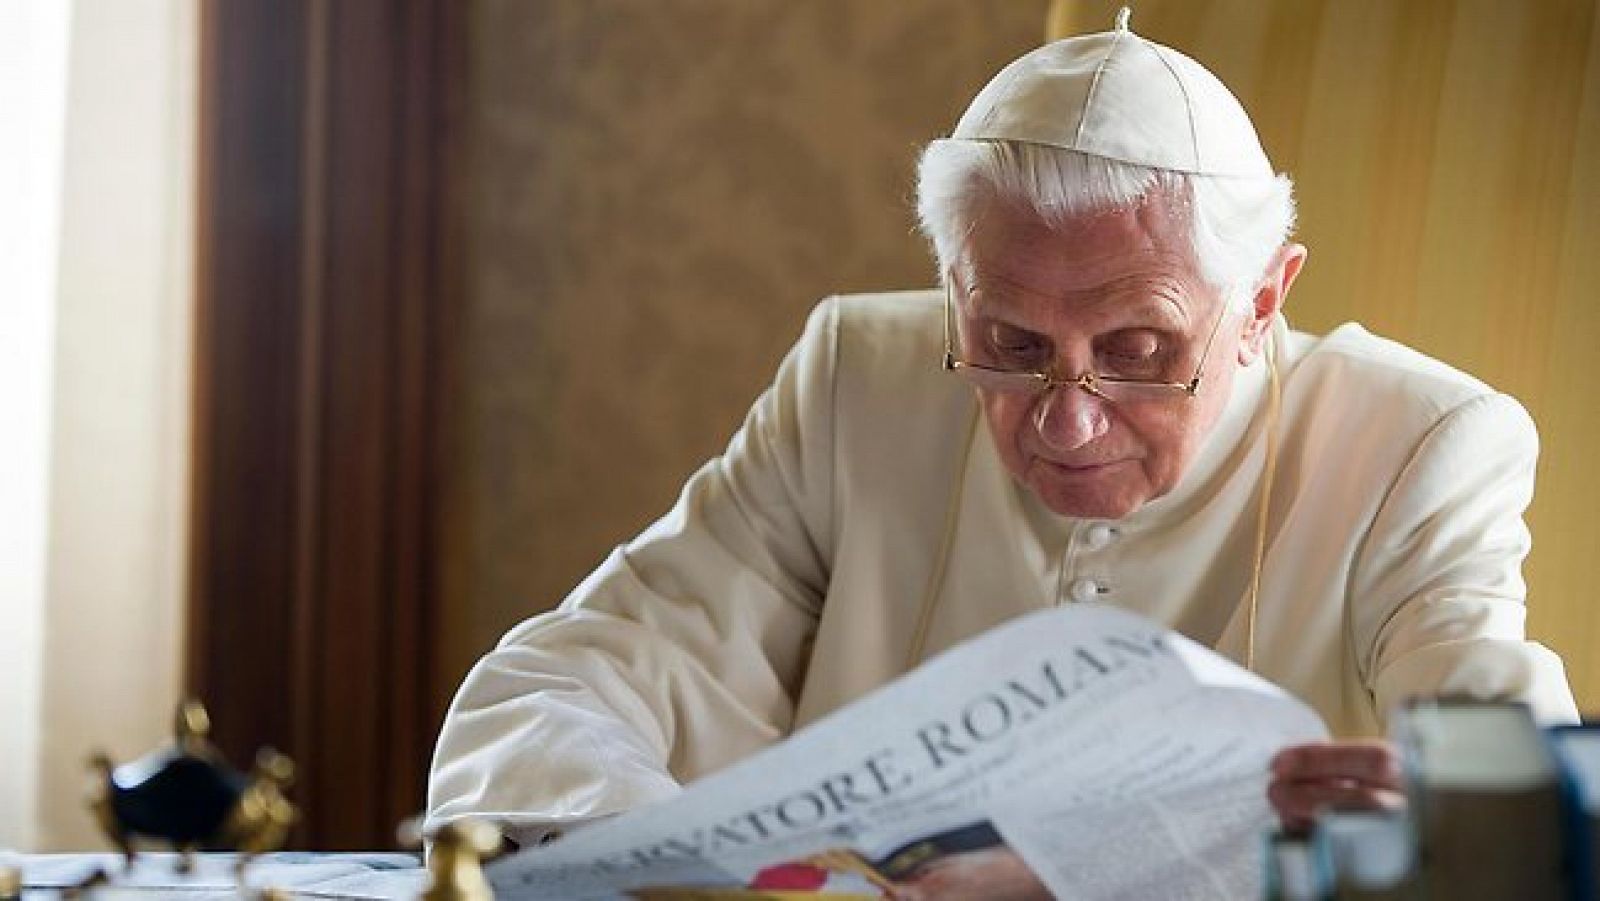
{"x": 1438, "y": 584}
{"x": 682, "y": 653}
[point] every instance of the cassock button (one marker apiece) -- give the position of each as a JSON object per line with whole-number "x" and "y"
{"x": 1098, "y": 536}
{"x": 1084, "y": 590}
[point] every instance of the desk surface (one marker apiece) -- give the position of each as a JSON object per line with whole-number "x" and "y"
{"x": 302, "y": 874}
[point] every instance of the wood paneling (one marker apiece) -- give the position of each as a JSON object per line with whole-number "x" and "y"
{"x": 323, "y": 372}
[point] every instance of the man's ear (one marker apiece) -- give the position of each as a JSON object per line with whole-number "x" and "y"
{"x": 1268, "y": 300}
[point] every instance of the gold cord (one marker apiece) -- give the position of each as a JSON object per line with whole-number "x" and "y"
{"x": 930, "y": 595}
{"x": 1273, "y": 400}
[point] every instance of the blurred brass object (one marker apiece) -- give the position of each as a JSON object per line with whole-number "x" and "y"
{"x": 1059, "y": 21}
{"x": 457, "y": 862}
{"x": 262, "y": 816}
{"x": 191, "y": 729}
{"x": 100, "y": 803}
{"x": 10, "y": 883}
{"x": 187, "y": 797}
{"x": 87, "y": 886}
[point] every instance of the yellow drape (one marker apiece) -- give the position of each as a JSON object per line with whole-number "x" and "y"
{"x": 1447, "y": 160}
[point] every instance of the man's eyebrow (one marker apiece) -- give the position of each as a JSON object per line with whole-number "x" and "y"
{"x": 1165, "y": 316}
{"x": 998, "y": 312}
{"x": 1124, "y": 308}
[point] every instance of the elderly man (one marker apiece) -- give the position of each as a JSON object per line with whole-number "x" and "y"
{"x": 1122, "y": 416}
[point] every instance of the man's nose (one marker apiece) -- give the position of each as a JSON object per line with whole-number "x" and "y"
{"x": 1069, "y": 417}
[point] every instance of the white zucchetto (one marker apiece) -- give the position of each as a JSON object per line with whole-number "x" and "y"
{"x": 1117, "y": 95}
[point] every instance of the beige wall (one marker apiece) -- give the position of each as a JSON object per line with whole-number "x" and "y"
{"x": 33, "y": 106}
{"x": 120, "y": 456}
{"x": 101, "y": 670}
{"x": 658, "y": 192}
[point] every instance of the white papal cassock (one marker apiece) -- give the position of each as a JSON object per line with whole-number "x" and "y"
{"x": 861, "y": 520}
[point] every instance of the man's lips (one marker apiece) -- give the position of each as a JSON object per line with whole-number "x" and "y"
{"x": 1078, "y": 467}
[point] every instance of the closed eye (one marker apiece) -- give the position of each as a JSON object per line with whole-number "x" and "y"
{"x": 1015, "y": 346}
{"x": 1134, "y": 352}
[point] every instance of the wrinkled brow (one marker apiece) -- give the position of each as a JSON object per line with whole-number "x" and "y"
{"x": 1155, "y": 306}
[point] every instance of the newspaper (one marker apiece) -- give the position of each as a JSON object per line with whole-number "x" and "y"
{"x": 1078, "y": 752}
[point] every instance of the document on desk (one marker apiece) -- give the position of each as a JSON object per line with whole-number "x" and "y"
{"x": 1079, "y": 752}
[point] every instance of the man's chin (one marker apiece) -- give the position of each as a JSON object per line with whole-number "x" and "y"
{"x": 1095, "y": 493}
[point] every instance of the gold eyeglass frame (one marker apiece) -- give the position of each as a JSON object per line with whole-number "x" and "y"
{"x": 1042, "y": 382}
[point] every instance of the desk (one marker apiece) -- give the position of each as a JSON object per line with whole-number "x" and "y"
{"x": 301, "y": 874}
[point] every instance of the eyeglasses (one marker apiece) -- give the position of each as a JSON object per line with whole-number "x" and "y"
{"x": 1105, "y": 386}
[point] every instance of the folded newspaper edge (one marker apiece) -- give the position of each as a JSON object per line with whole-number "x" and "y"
{"x": 1102, "y": 753}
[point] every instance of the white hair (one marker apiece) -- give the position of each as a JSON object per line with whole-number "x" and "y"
{"x": 1235, "y": 225}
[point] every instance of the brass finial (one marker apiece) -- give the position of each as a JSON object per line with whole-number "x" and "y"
{"x": 186, "y": 796}
{"x": 1059, "y": 21}
{"x": 101, "y": 806}
{"x": 457, "y": 862}
{"x": 262, "y": 817}
{"x": 192, "y": 727}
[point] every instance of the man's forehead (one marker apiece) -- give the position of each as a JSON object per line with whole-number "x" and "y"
{"x": 1049, "y": 274}
{"x": 1003, "y": 230}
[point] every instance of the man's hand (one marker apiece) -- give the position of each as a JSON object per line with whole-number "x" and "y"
{"x": 1345, "y": 774}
